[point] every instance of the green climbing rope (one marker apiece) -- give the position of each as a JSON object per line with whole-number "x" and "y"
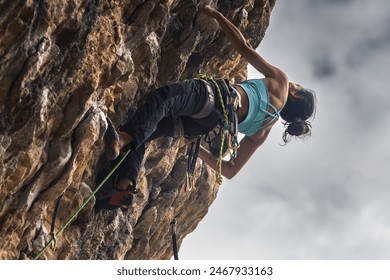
{"x": 81, "y": 207}
{"x": 225, "y": 127}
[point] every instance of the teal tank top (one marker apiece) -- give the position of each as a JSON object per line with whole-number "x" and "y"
{"x": 257, "y": 92}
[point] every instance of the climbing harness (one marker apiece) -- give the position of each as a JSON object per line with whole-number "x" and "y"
{"x": 229, "y": 122}
{"x": 174, "y": 240}
{"x": 54, "y": 235}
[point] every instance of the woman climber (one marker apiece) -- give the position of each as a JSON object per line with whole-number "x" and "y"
{"x": 194, "y": 107}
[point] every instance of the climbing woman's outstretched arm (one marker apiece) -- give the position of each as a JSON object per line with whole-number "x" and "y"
{"x": 241, "y": 45}
{"x": 248, "y": 146}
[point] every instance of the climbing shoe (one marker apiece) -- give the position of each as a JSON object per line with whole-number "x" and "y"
{"x": 111, "y": 141}
{"x": 114, "y": 198}
{"x": 118, "y": 200}
{"x": 109, "y": 197}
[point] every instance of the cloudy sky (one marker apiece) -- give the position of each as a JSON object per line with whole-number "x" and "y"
{"x": 327, "y": 197}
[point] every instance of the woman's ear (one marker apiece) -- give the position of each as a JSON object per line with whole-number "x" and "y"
{"x": 293, "y": 96}
{"x": 296, "y": 95}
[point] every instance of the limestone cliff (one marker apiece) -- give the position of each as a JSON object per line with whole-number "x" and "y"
{"x": 64, "y": 66}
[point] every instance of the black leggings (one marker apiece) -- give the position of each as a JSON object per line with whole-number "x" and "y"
{"x": 156, "y": 118}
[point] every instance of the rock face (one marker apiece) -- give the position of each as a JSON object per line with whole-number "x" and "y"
{"x": 64, "y": 66}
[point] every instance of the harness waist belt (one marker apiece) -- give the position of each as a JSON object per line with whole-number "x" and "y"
{"x": 210, "y": 102}
{"x": 233, "y": 98}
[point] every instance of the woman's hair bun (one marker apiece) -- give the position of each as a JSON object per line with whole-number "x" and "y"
{"x": 297, "y": 127}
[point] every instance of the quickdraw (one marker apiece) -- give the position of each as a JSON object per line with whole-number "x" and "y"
{"x": 53, "y": 222}
{"x": 174, "y": 240}
{"x": 191, "y": 163}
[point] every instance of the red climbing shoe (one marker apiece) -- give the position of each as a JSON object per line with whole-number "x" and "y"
{"x": 109, "y": 197}
{"x": 122, "y": 200}
{"x": 111, "y": 140}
